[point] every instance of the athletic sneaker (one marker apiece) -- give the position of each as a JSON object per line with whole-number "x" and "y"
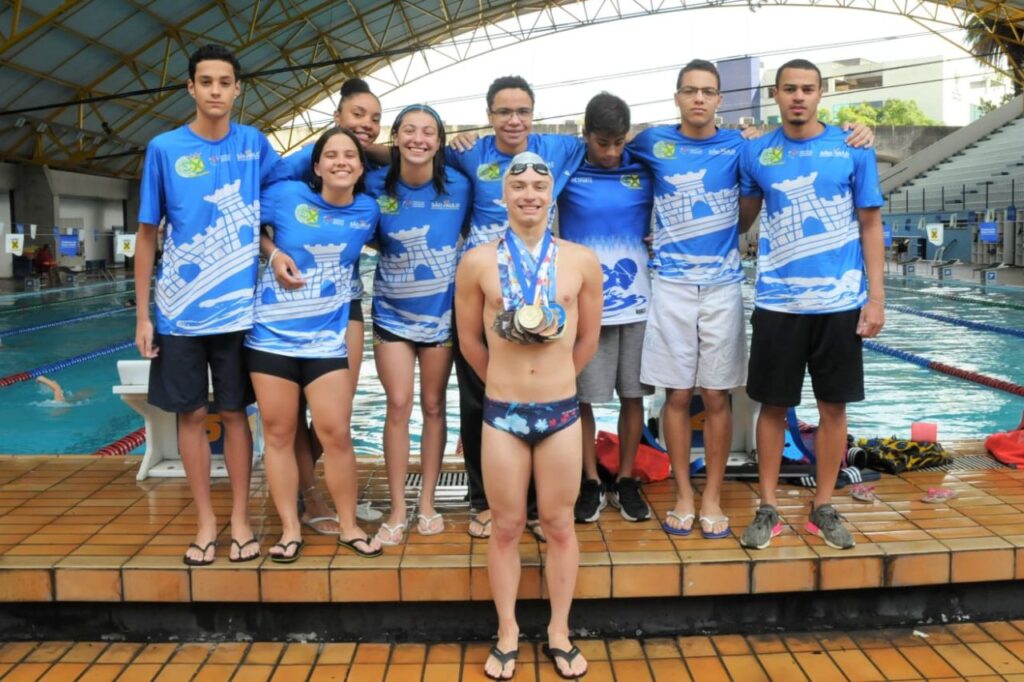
{"x": 590, "y": 502}
{"x": 763, "y": 528}
{"x": 625, "y": 496}
{"x": 826, "y": 523}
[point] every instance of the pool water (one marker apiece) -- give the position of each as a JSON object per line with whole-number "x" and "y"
{"x": 898, "y": 392}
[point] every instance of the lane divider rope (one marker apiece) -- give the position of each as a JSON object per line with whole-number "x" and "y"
{"x": 124, "y": 444}
{"x": 63, "y": 364}
{"x": 60, "y": 323}
{"x": 967, "y": 375}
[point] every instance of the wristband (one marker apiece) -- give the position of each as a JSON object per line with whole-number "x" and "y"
{"x": 879, "y": 301}
{"x": 270, "y": 260}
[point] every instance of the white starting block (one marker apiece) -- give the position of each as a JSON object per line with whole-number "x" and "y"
{"x": 744, "y": 426}
{"x": 162, "y": 458}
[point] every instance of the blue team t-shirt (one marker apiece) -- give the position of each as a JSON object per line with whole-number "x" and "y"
{"x": 414, "y": 285}
{"x": 809, "y": 256}
{"x": 299, "y": 166}
{"x": 485, "y": 166}
{"x": 609, "y": 211}
{"x": 209, "y": 193}
{"x": 324, "y": 241}
{"x": 696, "y": 204}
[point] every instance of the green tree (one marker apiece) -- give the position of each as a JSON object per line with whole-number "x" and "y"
{"x": 997, "y": 44}
{"x": 902, "y": 112}
{"x": 988, "y": 106}
{"x": 858, "y": 113}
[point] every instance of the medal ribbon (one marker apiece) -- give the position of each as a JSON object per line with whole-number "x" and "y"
{"x": 527, "y": 268}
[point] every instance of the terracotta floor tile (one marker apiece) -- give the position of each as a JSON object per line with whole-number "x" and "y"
{"x": 228, "y": 653}
{"x": 856, "y": 666}
{"x": 441, "y": 672}
{"x": 928, "y": 663}
{"x": 998, "y": 658}
{"x": 696, "y": 646}
{"x": 632, "y": 670}
{"x": 329, "y": 673}
{"x": 27, "y": 672}
{"x": 336, "y": 653}
{"x": 963, "y": 660}
{"x": 669, "y": 670}
{"x": 707, "y": 669}
{"x": 264, "y": 653}
{"x": 364, "y": 672}
{"x": 140, "y": 672}
{"x": 64, "y": 672}
{"x": 102, "y": 672}
{"x": 372, "y": 653}
{"x": 25, "y": 585}
{"x": 892, "y": 664}
{"x": 307, "y": 580}
{"x": 177, "y": 672}
{"x": 253, "y": 673}
{"x": 297, "y": 654}
{"x": 48, "y": 652}
{"x": 84, "y": 652}
{"x": 13, "y": 652}
{"x": 659, "y": 648}
{"x": 781, "y": 666}
{"x": 291, "y": 673}
{"x": 766, "y": 644}
{"x": 818, "y": 666}
{"x": 444, "y": 653}
{"x": 783, "y": 576}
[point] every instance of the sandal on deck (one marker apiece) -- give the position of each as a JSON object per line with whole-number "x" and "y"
{"x": 284, "y": 557}
{"x": 394, "y": 534}
{"x": 503, "y": 657}
{"x": 567, "y": 656}
{"x": 425, "y": 524}
{"x": 535, "y": 530}
{"x": 351, "y": 546}
{"x": 708, "y": 530}
{"x": 189, "y": 561}
{"x": 681, "y": 518}
{"x": 312, "y": 523}
{"x": 241, "y": 548}
{"x": 485, "y": 528}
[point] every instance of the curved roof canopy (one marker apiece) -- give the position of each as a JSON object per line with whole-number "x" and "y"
{"x": 86, "y": 83}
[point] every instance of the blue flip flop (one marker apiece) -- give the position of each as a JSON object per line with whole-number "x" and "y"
{"x": 711, "y": 521}
{"x": 681, "y": 518}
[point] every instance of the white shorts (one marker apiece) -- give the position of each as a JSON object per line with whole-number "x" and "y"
{"x": 695, "y": 337}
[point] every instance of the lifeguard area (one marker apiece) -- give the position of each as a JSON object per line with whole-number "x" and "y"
{"x": 95, "y": 509}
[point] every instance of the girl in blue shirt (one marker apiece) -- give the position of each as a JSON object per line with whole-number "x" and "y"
{"x": 297, "y": 344}
{"x": 423, "y": 211}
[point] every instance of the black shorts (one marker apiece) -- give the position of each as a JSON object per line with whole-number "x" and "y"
{"x": 301, "y": 371}
{"x": 355, "y": 310}
{"x": 785, "y": 345}
{"x": 178, "y": 380}
{"x": 381, "y": 335}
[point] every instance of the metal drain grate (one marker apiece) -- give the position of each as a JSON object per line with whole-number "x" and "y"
{"x": 969, "y": 463}
{"x": 450, "y": 485}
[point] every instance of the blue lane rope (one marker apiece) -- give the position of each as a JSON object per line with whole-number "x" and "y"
{"x": 76, "y": 299}
{"x": 65, "y": 363}
{"x": 59, "y": 323}
{"x": 959, "y": 321}
{"x": 959, "y": 297}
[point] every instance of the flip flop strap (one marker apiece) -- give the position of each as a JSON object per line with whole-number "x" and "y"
{"x": 504, "y": 657}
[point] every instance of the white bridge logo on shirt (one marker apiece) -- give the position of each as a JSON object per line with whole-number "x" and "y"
{"x": 632, "y": 181}
{"x": 388, "y": 204}
{"x": 191, "y": 166}
{"x": 488, "y": 171}
{"x": 307, "y": 215}
{"x": 664, "y": 150}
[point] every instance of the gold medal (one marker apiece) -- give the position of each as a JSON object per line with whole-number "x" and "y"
{"x": 530, "y": 317}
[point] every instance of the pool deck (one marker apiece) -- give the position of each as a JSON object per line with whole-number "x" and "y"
{"x": 983, "y": 651}
{"x": 81, "y": 528}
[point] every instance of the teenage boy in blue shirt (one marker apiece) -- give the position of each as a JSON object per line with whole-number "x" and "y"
{"x": 606, "y": 206}
{"x": 202, "y": 181}
{"x": 819, "y": 289}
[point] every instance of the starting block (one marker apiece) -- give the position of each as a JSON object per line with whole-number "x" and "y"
{"x": 162, "y": 458}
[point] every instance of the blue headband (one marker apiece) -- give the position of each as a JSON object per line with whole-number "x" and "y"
{"x": 421, "y": 107}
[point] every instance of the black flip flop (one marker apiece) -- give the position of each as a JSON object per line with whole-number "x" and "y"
{"x": 284, "y": 557}
{"x": 199, "y": 562}
{"x": 351, "y": 546}
{"x": 485, "y": 533}
{"x": 241, "y": 546}
{"x": 503, "y": 657}
{"x": 567, "y": 656}
{"x": 535, "y": 530}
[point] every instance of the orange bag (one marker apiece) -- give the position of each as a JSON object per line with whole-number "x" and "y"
{"x": 1008, "y": 446}
{"x": 650, "y": 464}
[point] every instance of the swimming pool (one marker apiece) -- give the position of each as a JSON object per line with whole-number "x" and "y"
{"x": 898, "y": 392}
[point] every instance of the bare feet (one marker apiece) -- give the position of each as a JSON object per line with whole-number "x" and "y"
{"x": 497, "y": 669}
{"x": 681, "y": 517}
{"x": 318, "y": 514}
{"x": 206, "y": 537}
{"x": 712, "y": 521}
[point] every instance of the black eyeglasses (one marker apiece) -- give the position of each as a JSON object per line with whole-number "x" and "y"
{"x": 520, "y": 168}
